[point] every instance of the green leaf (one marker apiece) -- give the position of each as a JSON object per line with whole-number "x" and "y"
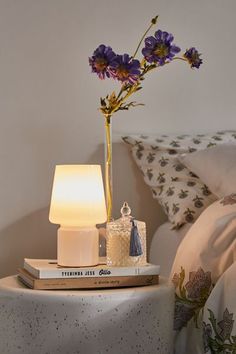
{"x": 212, "y": 319}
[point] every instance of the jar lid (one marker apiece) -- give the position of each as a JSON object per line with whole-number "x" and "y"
{"x": 125, "y": 210}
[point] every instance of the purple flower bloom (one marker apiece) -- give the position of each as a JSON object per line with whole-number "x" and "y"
{"x": 125, "y": 69}
{"x": 229, "y": 199}
{"x": 101, "y": 60}
{"x": 199, "y": 284}
{"x": 226, "y": 325}
{"x": 160, "y": 49}
{"x": 183, "y": 314}
{"x": 207, "y": 334}
{"x": 193, "y": 57}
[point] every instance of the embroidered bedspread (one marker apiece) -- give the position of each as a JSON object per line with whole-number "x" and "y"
{"x": 204, "y": 274}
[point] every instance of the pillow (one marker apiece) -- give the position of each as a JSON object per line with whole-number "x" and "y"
{"x": 211, "y": 242}
{"x": 180, "y": 192}
{"x": 206, "y": 252}
{"x": 216, "y": 167}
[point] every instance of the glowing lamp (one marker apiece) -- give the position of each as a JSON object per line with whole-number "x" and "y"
{"x": 77, "y": 204}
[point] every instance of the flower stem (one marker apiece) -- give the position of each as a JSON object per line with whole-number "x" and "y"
{"x": 179, "y": 58}
{"x": 153, "y": 22}
{"x": 131, "y": 90}
{"x": 121, "y": 91}
{"x": 108, "y": 167}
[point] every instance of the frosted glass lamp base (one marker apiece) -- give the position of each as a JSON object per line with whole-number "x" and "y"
{"x": 77, "y": 247}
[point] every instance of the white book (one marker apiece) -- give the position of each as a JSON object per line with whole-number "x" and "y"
{"x": 48, "y": 269}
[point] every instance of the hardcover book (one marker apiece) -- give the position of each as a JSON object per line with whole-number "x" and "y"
{"x": 48, "y": 269}
{"x": 85, "y": 283}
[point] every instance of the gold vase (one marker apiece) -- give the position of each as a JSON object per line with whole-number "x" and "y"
{"x": 108, "y": 166}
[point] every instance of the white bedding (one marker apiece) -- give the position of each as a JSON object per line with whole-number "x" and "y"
{"x": 219, "y": 325}
{"x": 203, "y": 262}
{"x": 203, "y": 274}
{"x": 164, "y": 245}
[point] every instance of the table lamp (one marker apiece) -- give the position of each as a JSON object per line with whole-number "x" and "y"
{"x": 77, "y": 204}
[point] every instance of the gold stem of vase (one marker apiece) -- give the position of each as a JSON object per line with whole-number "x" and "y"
{"x": 108, "y": 167}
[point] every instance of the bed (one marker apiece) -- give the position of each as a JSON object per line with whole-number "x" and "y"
{"x": 193, "y": 177}
{"x": 164, "y": 246}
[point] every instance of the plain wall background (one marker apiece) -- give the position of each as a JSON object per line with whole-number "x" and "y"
{"x": 49, "y": 101}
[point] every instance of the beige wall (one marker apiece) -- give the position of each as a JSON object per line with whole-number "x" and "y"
{"x": 49, "y": 101}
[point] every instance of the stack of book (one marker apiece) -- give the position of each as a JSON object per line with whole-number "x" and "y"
{"x": 44, "y": 274}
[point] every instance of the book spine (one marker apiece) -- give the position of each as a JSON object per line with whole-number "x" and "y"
{"x": 89, "y": 283}
{"x": 31, "y": 270}
{"x": 92, "y": 272}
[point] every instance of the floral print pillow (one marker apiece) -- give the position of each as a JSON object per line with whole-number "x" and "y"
{"x": 204, "y": 255}
{"x": 180, "y": 192}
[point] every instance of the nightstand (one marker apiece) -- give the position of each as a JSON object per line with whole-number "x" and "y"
{"x": 114, "y": 321}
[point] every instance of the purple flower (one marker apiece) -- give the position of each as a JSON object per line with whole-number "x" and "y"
{"x": 229, "y": 199}
{"x": 160, "y": 49}
{"x": 101, "y": 60}
{"x": 207, "y": 334}
{"x": 199, "y": 284}
{"x": 125, "y": 69}
{"x": 183, "y": 314}
{"x": 193, "y": 57}
{"x": 226, "y": 325}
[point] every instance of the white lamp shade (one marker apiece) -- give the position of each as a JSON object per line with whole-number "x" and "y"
{"x": 77, "y": 196}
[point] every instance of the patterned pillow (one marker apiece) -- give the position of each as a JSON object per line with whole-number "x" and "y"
{"x": 205, "y": 253}
{"x": 180, "y": 192}
{"x": 216, "y": 167}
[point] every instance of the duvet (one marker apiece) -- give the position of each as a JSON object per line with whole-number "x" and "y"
{"x": 204, "y": 276}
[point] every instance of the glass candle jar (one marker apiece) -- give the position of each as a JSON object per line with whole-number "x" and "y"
{"x": 122, "y": 237}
